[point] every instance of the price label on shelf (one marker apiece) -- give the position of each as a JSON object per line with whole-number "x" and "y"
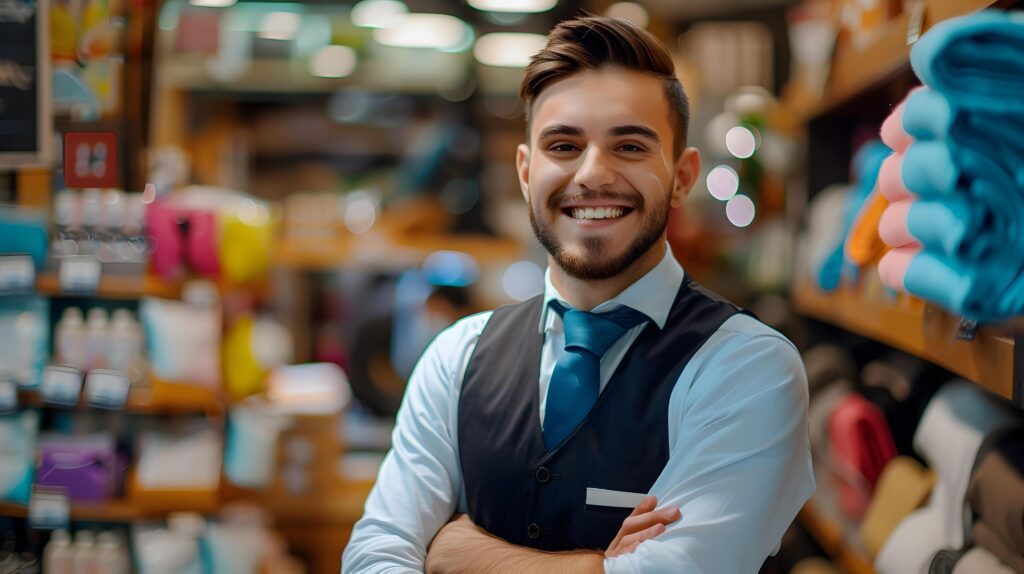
{"x": 106, "y": 389}
{"x": 48, "y": 508}
{"x": 8, "y": 397}
{"x": 17, "y": 274}
{"x": 80, "y": 274}
{"x": 60, "y": 385}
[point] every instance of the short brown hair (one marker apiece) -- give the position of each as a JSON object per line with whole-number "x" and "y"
{"x": 594, "y": 42}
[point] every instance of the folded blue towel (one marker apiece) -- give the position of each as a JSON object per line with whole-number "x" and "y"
{"x": 977, "y": 60}
{"x": 24, "y": 236}
{"x": 929, "y": 115}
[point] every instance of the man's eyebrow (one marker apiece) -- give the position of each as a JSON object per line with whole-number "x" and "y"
{"x": 634, "y": 130}
{"x": 559, "y": 130}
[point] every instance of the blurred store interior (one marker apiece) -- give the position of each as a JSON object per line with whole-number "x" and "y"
{"x": 233, "y": 226}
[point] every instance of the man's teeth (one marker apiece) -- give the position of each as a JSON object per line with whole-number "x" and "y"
{"x": 596, "y": 212}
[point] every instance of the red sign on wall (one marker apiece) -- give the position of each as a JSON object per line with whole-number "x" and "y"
{"x": 90, "y": 159}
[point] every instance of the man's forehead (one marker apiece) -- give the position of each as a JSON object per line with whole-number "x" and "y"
{"x": 597, "y": 101}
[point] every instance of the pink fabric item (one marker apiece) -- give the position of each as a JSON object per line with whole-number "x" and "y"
{"x": 890, "y": 179}
{"x": 893, "y": 134}
{"x": 893, "y": 267}
{"x": 861, "y": 440}
{"x": 168, "y": 245}
{"x": 202, "y": 243}
{"x": 892, "y": 228}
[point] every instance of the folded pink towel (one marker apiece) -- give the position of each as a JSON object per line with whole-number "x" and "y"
{"x": 893, "y": 227}
{"x": 890, "y": 179}
{"x": 893, "y": 134}
{"x": 893, "y": 267}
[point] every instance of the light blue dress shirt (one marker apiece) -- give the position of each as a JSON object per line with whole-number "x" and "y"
{"x": 739, "y": 466}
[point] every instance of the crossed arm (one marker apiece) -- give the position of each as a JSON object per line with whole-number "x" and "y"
{"x": 739, "y": 470}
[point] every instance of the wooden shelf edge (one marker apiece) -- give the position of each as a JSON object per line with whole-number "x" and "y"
{"x": 830, "y": 537}
{"x": 912, "y": 326}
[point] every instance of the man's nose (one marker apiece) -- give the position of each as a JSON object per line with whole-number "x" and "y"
{"x": 595, "y": 171}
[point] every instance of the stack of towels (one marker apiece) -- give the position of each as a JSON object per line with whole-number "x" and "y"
{"x": 955, "y": 181}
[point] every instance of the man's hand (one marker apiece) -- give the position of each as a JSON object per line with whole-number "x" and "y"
{"x": 644, "y": 523}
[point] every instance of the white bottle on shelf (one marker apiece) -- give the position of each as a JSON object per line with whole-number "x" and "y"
{"x": 111, "y": 555}
{"x": 70, "y": 339}
{"x": 83, "y": 552}
{"x": 58, "y": 556}
{"x": 96, "y": 343}
{"x": 123, "y": 342}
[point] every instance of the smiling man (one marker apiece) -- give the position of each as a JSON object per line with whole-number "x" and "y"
{"x": 627, "y": 420}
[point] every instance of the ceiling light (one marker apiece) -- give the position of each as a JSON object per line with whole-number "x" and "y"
{"x": 513, "y": 5}
{"x": 438, "y": 31}
{"x": 508, "y": 50}
{"x": 740, "y": 142}
{"x": 333, "y": 62}
{"x": 377, "y": 13}
{"x": 631, "y": 11}
{"x": 723, "y": 182}
{"x": 279, "y": 26}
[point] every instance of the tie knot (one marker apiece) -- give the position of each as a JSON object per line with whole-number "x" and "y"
{"x": 596, "y": 332}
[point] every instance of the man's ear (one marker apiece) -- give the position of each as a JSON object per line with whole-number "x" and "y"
{"x": 523, "y": 169}
{"x": 687, "y": 169}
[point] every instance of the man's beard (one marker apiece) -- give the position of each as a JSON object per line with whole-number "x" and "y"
{"x": 592, "y": 264}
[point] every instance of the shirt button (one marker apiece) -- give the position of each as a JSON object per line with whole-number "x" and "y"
{"x": 533, "y": 531}
{"x": 542, "y": 475}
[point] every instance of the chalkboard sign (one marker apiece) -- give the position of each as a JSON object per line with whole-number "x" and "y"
{"x": 25, "y": 116}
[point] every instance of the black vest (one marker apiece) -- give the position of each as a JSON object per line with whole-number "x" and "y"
{"x": 531, "y": 497}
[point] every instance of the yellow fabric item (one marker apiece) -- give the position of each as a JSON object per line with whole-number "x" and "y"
{"x": 245, "y": 248}
{"x": 864, "y": 245}
{"x": 903, "y": 487}
{"x": 243, "y": 375}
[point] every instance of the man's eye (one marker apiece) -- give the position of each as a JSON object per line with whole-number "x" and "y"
{"x": 631, "y": 148}
{"x": 565, "y": 147}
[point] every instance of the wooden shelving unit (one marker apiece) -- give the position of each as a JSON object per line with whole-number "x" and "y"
{"x": 918, "y": 328}
{"x": 855, "y": 69}
{"x": 115, "y": 287}
{"x": 185, "y": 400}
{"x": 829, "y": 536}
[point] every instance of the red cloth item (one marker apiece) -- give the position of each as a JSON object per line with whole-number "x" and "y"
{"x": 861, "y": 445}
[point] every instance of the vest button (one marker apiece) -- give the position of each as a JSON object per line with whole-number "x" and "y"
{"x": 533, "y": 531}
{"x": 542, "y": 475}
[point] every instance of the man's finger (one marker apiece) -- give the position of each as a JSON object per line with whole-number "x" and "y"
{"x": 646, "y": 505}
{"x": 644, "y": 521}
{"x": 647, "y": 534}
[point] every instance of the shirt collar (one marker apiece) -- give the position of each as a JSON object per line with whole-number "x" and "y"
{"x": 652, "y": 294}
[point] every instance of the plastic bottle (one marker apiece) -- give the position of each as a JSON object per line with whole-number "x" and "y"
{"x": 123, "y": 345}
{"x": 111, "y": 555}
{"x": 57, "y": 555}
{"x": 96, "y": 343}
{"x": 83, "y": 552}
{"x": 70, "y": 335}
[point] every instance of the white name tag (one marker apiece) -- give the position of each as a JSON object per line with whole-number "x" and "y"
{"x": 613, "y": 498}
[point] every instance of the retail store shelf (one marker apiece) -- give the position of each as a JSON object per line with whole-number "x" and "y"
{"x": 121, "y": 510}
{"x": 829, "y": 535}
{"x": 857, "y": 68}
{"x": 386, "y": 250}
{"x": 915, "y": 327}
{"x": 115, "y": 287}
{"x": 159, "y": 399}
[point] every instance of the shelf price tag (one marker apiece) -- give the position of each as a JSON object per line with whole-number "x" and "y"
{"x": 8, "y": 397}
{"x": 60, "y": 385}
{"x": 80, "y": 274}
{"x": 107, "y": 389}
{"x": 48, "y": 508}
{"x": 17, "y": 274}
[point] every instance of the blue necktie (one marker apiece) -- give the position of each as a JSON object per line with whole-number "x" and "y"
{"x": 576, "y": 379}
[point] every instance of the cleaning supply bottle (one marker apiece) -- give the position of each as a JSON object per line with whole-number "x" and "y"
{"x": 96, "y": 343}
{"x": 83, "y": 552}
{"x": 111, "y": 555}
{"x": 70, "y": 335}
{"x": 58, "y": 556}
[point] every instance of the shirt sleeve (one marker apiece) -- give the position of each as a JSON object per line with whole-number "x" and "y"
{"x": 739, "y": 465}
{"x": 419, "y": 482}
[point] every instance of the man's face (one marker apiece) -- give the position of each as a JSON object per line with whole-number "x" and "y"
{"x": 599, "y": 175}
